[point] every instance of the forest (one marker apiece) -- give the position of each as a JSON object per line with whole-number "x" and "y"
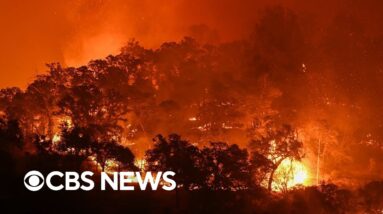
{"x": 282, "y": 121}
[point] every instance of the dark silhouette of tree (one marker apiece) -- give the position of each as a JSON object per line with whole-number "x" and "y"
{"x": 45, "y": 94}
{"x": 273, "y": 148}
{"x": 78, "y": 143}
{"x": 6, "y": 97}
{"x": 99, "y": 111}
{"x": 75, "y": 141}
{"x": 337, "y": 200}
{"x": 260, "y": 168}
{"x": 104, "y": 151}
{"x": 11, "y": 145}
{"x": 11, "y": 135}
{"x": 17, "y": 110}
{"x": 179, "y": 156}
{"x": 227, "y": 166}
{"x": 372, "y": 196}
{"x": 43, "y": 144}
{"x": 125, "y": 158}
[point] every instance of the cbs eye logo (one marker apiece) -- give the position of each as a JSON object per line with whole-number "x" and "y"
{"x": 34, "y": 180}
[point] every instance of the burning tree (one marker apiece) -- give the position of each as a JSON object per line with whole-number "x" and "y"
{"x": 89, "y": 106}
{"x": 217, "y": 116}
{"x": 275, "y": 147}
{"x": 78, "y": 144}
{"x": 75, "y": 141}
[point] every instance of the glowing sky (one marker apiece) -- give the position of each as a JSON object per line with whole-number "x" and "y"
{"x": 73, "y": 31}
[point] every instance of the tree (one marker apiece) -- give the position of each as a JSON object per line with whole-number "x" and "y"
{"x": 179, "y": 156}
{"x": 216, "y": 116}
{"x": 337, "y": 200}
{"x": 94, "y": 108}
{"x": 227, "y": 166}
{"x": 10, "y": 135}
{"x": 75, "y": 141}
{"x": 6, "y": 97}
{"x": 45, "y": 95}
{"x": 275, "y": 147}
{"x": 372, "y": 196}
{"x": 260, "y": 168}
{"x": 111, "y": 151}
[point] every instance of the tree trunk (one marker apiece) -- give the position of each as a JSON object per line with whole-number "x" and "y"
{"x": 271, "y": 178}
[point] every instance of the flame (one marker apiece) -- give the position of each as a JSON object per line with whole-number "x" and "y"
{"x": 289, "y": 174}
{"x": 66, "y": 120}
{"x": 56, "y": 138}
{"x": 140, "y": 163}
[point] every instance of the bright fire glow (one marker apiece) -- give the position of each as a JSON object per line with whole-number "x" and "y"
{"x": 300, "y": 176}
{"x": 66, "y": 120}
{"x": 140, "y": 163}
{"x": 289, "y": 174}
{"x": 56, "y": 138}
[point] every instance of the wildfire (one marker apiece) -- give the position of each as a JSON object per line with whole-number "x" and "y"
{"x": 290, "y": 174}
{"x": 56, "y": 138}
{"x": 192, "y": 119}
{"x": 66, "y": 120}
{"x": 140, "y": 163}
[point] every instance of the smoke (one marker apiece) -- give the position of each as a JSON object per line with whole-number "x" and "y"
{"x": 75, "y": 31}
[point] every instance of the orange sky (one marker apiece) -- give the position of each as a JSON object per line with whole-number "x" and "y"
{"x": 73, "y": 31}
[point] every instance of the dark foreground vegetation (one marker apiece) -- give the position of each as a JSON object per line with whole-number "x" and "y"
{"x": 217, "y": 179}
{"x": 323, "y": 199}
